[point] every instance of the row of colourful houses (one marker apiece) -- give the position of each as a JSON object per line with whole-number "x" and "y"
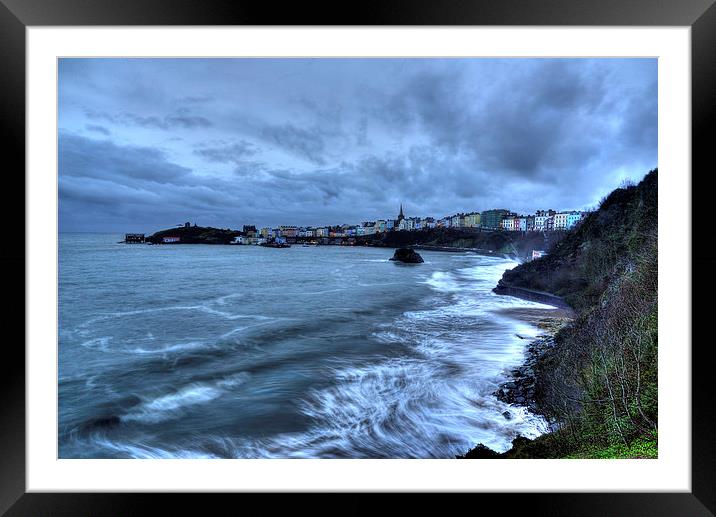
{"x": 494, "y": 219}
{"x": 542, "y": 221}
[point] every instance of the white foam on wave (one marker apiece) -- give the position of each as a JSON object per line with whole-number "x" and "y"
{"x": 148, "y": 344}
{"x": 169, "y": 349}
{"x": 397, "y": 408}
{"x": 102, "y": 344}
{"x": 407, "y": 406}
{"x": 421, "y": 406}
{"x": 427, "y": 406}
{"x": 221, "y": 300}
{"x": 245, "y": 327}
{"x": 168, "y": 406}
{"x": 381, "y": 284}
{"x": 141, "y": 450}
{"x": 232, "y": 381}
{"x": 99, "y": 343}
{"x": 202, "y": 308}
{"x": 443, "y": 281}
{"x": 172, "y": 405}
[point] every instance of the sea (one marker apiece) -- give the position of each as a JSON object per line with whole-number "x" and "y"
{"x": 202, "y": 351}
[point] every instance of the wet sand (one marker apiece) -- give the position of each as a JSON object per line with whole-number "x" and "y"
{"x": 543, "y": 318}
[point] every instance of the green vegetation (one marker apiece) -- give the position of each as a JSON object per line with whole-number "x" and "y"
{"x": 598, "y": 384}
{"x": 642, "y": 447}
{"x": 556, "y": 445}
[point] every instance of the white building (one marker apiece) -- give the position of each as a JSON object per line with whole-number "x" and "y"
{"x": 540, "y": 221}
{"x": 560, "y": 221}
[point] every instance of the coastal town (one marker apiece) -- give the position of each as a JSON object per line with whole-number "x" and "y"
{"x": 493, "y": 220}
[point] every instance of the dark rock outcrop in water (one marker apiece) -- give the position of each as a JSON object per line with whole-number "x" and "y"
{"x": 407, "y": 256}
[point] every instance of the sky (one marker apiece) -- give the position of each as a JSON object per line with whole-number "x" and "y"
{"x": 146, "y": 144}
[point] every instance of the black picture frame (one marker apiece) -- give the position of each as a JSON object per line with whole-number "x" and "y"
{"x": 17, "y": 15}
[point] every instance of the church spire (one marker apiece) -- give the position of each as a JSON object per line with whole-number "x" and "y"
{"x": 400, "y": 215}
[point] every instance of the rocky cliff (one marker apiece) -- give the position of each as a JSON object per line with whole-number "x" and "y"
{"x": 597, "y": 381}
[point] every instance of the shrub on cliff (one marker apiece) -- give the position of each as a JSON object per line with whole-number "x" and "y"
{"x": 599, "y": 382}
{"x": 600, "y": 379}
{"x": 581, "y": 265}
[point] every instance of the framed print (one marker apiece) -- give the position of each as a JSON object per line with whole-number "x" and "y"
{"x": 421, "y": 250}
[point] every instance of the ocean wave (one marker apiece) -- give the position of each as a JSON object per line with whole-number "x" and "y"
{"x": 443, "y": 281}
{"x": 172, "y": 405}
{"x": 398, "y": 408}
{"x": 202, "y": 308}
{"x": 326, "y": 291}
{"x": 420, "y": 385}
{"x": 99, "y": 343}
{"x": 140, "y": 450}
{"x": 169, "y": 349}
{"x": 246, "y": 327}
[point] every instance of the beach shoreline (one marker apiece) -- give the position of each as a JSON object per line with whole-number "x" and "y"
{"x": 520, "y": 389}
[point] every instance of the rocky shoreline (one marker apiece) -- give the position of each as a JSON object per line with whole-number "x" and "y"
{"x": 521, "y": 388}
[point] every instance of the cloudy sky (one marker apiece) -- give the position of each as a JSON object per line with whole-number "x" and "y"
{"x": 146, "y": 144}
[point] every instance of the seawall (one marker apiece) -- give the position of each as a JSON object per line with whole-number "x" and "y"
{"x": 532, "y": 295}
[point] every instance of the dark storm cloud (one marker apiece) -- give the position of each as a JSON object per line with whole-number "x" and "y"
{"x": 433, "y": 101}
{"x": 524, "y": 127}
{"x": 230, "y": 141}
{"x": 304, "y": 143}
{"x": 553, "y": 121}
{"x": 227, "y": 153}
{"x": 127, "y": 165}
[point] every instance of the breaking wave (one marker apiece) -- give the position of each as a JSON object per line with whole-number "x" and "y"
{"x": 329, "y": 358}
